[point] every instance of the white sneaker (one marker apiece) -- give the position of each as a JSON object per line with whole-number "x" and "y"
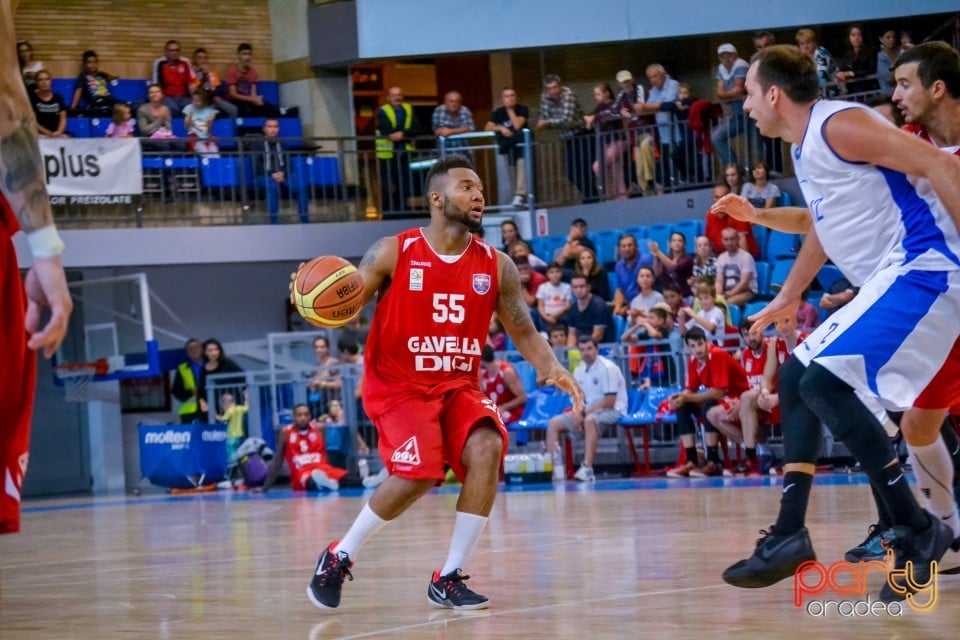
{"x": 323, "y": 480}
{"x": 518, "y": 202}
{"x": 376, "y": 479}
{"x": 585, "y": 474}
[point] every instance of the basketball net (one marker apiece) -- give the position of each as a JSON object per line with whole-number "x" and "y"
{"x": 76, "y": 379}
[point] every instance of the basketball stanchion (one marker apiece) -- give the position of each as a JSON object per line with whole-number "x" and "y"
{"x": 76, "y": 378}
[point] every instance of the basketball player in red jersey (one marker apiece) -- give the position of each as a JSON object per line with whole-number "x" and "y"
{"x": 438, "y": 287}
{"x": 23, "y": 205}
{"x": 499, "y": 382}
{"x": 302, "y": 446}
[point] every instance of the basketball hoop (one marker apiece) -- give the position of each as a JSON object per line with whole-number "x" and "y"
{"x": 76, "y": 378}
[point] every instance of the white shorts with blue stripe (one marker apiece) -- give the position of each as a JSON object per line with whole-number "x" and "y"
{"x": 893, "y": 337}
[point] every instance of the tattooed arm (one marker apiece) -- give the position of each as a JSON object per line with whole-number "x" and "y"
{"x": 514, "y": 314}
{"x": 22, "y": 184}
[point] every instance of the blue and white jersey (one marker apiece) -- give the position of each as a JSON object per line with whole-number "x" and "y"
{"x": 869, "y": 217}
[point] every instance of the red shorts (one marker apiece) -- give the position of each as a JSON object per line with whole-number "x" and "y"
{"x": 419, "y": 434}
{"x": 944, "y": 389}
{"x": 18, "y": 376}
{"x": 299, "y": 478}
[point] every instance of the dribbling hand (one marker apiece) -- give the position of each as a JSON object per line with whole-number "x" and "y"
{"x": 564, "y": 380}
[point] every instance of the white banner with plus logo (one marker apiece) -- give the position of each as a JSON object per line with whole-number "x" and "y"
{"x": 91, "y": 169}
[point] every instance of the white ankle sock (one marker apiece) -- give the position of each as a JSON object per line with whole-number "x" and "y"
{"x": 366, "y": 524}
{"x": 466, "y": 532}
{"x": 934, "y": 470}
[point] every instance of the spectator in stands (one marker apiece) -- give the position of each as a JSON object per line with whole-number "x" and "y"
{"x": 216, "y": 362}
{"x": 886, "y": 56}
{"x": 29, "y": 68}
{"x": 711, "y": 318}
{"x": 121, "y": 123}
{"x": 198, "y": 120}
{"x": 554, "y": 297}
{"x": 234, "y": 415}
{"x": 499, "y": 382}
{"x": 589, "y": 268}
{"x": 626, "y": 272}
{"x": 321, "y": 388}
{"x": 302, "y": 446}
{"x": 560, "y": 110}
{"x": 635, "y": 96}
{"x": 452, "y": 118}
{"x": 704, "y": 262}
{"x": 733, "y": 177}
{"x": 724, "y": 379}
{"x": 676, "y": 268}
{"x": 577, "y": 241}
{"x": 906, "y": 41}
{"x": 588, "y": 315}
{"x": 761, "y": 193}
{"x": 175, "y": 76}
{"x": 650, "y": 326}
{"x": 186, "y": 383}
{"x": 242, "y": 81}
{"x": 530, "y": 280}
{"x": 736, "y": 271}
{"x": 355, "y": 333}
{"x": 507, "y": 122}
{"x": 274, "y": 173}
{"x": 509, "y": 233}
{"x": 826, "y": 66}
{"x": 91, "y": 89}
{"x": 647, "y": 297}
{"x": 808, "y": 318}
{"x": 858, "y": 64}
{"x": 605, "y": 402}
{"x": 664, "y": 92}
{"x": 715, "y": 224}
{"x": 49, "y": 108}
{"x": 731, "y": 76}
{"x": 496, "y": 336}
{"x": 208, "y": 79}
{"x": 521, "y": 249}
{"x": 673, "y": 299}
{"x": 397, "y": 126}
{"x": 154, "y": 119}
{"x": 607, "y": 119}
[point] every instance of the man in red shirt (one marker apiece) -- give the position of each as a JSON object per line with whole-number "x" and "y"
{"x": 175, "y": 76}
{"x": 302, "y": 446}
{"x": 438, "y": 287}
{"x": 724, "y": 379}
{"x": 242, "y": 87}
{"x": 500, "y": 382}
{"x": 718, "y": 221}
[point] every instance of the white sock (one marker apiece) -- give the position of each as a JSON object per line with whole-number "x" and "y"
{"x": 466, "y": 532}
{"x": 934, "y": 470}
{"x": 366, "y": 524}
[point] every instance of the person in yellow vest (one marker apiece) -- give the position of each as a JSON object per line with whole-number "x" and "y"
{"x": 185, "y": 383}
{"x": 396, "y": 127}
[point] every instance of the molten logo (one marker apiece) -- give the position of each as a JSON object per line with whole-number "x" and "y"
{"x": 407, "y": 453}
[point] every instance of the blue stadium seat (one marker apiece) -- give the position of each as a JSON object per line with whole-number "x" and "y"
{"x": 780, "y": 245}
{"x": 323, "y": 171}
{"x": 65, "y": 87}
{"x": 785, "y": 199}
{"x": 291, "y": 128}
{"x": 752, "y": 307}
{"x": 827, "y": 276}
{"x": 98, "y": 127}
{"x": 606, "y": 242}
{"x": 779, "y": 274}
{"x": 538, "y": 246}
{"x": 129, "y": 91}
{"x": 270, "y": 91}
{"x": 638, "y": 231}
{"x": 220, "y": 172}
{"x": 690, "y": 230}
{"x": 169, "y": 162}
{"x": 542, "y": 404}
{"x": 620, "y": 323}
{"x": 735, "y": 315}
{"x": 761, "y": 234}
{"x": 224, "y": 133}
{"x": 249, "y": 177}
{"x": 178, "y": 128}
{"x": 763, "y": 278}
{"x": 549, "y": 245}
{"x": 527, "y": 375}
{"x": 659, "y": 233}
{"x": 78, "y": 127}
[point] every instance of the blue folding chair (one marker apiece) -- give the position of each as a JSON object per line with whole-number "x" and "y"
{"x": 65, "y": 87}
{"x": 527, "y": 375}
{"x": 690, "y": 230}
{"x": 779, "y": 274}
{"x": 129, "y": 90}
{"x": 78, "y": 127}
{"x": 607, "y": 243}
{"x": 781, "y": 245}
{"x": 178, "y": 127}
{"x": 225, "y": 133}
{"x": 98, "y": 127}
{"x": 291, "y": 133}
{"x": 323, "y": 171}
{"x": 660, "y": 233}
{"x": 269, "y": 90}
{"x": 220, "y": 172}
{"x": 542, "y": 405}
{"x": 828, "y": 276}
{"x": 642, "y": 414}
{"x": 763, "y": 279}
{"x": 637, "y": 231}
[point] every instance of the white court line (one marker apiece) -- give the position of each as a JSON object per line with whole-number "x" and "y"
{"x": 543, "y": 607}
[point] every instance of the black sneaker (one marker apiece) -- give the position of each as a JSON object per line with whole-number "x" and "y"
{"x": 449, "y": 592}
{"x": 917, "y": 547}
{"x": 870, "y": 549}
{"x": 775, "y": 558}
{"x": 332, "y": 568}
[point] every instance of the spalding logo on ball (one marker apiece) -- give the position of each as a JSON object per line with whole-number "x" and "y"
{"x": 328, "y": 291}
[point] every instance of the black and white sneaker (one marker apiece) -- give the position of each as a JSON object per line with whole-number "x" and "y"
{"x": 775, "y": 558}
{"x": 449, "y": 592}
{"x": 870, "y": 549}
{"x": 332, "y": 568}
{"x": 921, "y": 548}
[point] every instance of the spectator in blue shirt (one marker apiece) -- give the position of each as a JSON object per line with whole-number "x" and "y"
{"x": 626, "y": 273}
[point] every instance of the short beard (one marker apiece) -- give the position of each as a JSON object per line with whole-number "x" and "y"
{"x": 453, "y": 214}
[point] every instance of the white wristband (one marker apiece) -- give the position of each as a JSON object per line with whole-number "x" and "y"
{"x": 45, "y": 242}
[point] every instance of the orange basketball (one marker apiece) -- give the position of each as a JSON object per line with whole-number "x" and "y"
{"x": 327, "y": 292}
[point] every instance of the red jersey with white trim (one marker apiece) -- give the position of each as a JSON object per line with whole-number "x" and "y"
{"x": 431, "y": 323}
{"x": 495, "y": 387}
{"x": 720, "y": 371}
{"x": 753, "y": 364}
{"x": 304, "y": 448}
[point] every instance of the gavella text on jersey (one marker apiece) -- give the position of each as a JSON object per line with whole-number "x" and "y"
{"x": 444, "y": 353}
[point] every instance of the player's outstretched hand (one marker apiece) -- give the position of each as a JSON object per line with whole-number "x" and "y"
{"x": 562, "y": 378}
{"x": 737, "y": 207}
{"x": 46, "y": 286}
{"x": 293, "y": 280}
{"x": 779, "y": 308}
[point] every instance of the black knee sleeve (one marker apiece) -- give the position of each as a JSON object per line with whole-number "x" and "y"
{"x": 802, "y": 432}
{"x": 685, "y": 415}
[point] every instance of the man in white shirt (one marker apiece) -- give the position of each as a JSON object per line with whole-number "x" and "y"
{"x": 736, "y": 270}
{"x": 605, "y": 402}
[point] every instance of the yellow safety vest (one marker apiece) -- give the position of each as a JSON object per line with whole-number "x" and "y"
{"x": 384, "y": 144}
{"x": 190, "y": 384}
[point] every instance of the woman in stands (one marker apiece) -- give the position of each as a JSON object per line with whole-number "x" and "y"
{"x": 761, "y": 193}
{"x": 607, "y": 120}
{"x": 216, "y": 363}
{"x": 858, "y": 65}
{"x": 676, "y": 268}
{"x": 886, "y": 56}
{"x": 589, "y": 268}
{"x": 49, "y": 108}
{"x": 29, "y": 68}
{"x": 704, "y": 262}
{"x": 733, "y": 177}
{"x": 153, "y": 117}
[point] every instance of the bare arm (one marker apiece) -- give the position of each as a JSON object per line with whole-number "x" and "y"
{"x": 786, "y": 219}
{"x": 515, "y": 316}
{"x": 377, "y": 266}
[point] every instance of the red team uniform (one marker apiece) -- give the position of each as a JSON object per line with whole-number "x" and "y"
{"x": 18, "y": 373}
{"x": 720, "y": 371}
{"x": 306, "y": 452}
{"x": 495, "y": 388}
{"x": 422, "y": 356}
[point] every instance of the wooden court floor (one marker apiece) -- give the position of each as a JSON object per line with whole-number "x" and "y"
{"x": 623, "y": 559}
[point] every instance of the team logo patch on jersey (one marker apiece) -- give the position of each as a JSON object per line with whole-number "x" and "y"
{"x": 481, "y": 283}
{"x": 407, "y": 453}
{"x": 416, "y": 279}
